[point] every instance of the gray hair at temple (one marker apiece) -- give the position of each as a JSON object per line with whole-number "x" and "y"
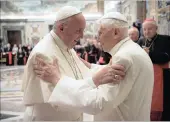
{"x": 113, "y": 20}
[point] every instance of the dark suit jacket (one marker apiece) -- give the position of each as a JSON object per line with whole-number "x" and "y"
{"x": 160, "y": 49}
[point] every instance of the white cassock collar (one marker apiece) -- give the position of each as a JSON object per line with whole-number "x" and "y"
{"x": 58, "y": 41}
{"x": 117, "y": 46}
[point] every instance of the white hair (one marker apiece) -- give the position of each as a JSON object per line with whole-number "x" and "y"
{"x": 134, "y": 30}
{"x": 112, "y": 23}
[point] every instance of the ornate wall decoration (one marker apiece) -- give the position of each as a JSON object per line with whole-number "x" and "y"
{"x": 168, "y": 16}
{"x": 35, "y": 31}
{"x": 35, "y": 40}
{"x": 164, "y": 16}
{"x": 35, "y": 28}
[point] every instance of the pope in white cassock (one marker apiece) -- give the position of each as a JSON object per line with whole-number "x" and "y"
{"x": 68, "y": 28}
{"x": 130, "y": 100}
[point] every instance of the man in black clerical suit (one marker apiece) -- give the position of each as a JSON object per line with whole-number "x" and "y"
{"x": 158, "y": 48}
{"x": 156, "y": 45}
{"x": 20, "y": 57}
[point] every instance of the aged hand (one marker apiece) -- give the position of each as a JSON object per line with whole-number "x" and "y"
{"x": 47, "y": 71}
{"x": 109, "y": 74}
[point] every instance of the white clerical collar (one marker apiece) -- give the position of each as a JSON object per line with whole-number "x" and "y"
{"x": 58, "y": 41}
{"x": 117, "y": 46}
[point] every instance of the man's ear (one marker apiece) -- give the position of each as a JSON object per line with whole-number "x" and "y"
{"x": 61, "y": 27}
{"x": 117, "y": 33}
{"x": 156, "y": 28}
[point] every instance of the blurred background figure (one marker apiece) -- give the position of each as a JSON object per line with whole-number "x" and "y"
{"x": 133, "y": 34}
{"x": 14, "y": 53}
{"x": 15, "y": 49}
{"x": 9, "y": 55}
{"x": 91, "y": 51}
{"x": 20, "y": 57}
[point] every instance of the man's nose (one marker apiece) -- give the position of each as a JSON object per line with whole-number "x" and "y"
{"x": 146, "y": 31}
{"x": 81, "y": 34}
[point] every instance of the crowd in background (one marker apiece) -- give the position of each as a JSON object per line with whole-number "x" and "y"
{"x": 90, "y": 50}
{"x": 18, "y": 54}
{"x": 15, "y": 54}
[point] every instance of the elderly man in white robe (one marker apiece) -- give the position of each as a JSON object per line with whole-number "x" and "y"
{"x": 68, "y": 28}
{"x": 130, "y": 100}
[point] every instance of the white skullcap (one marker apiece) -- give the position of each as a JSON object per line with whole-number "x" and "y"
{"x": 66, "y": 11}
{"x": 115, "y": 15}
{"x": 112, "y": 18}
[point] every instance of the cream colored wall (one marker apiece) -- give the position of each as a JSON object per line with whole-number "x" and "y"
{"x": 152, "y": 12}
{"x": 133, "y": 11}
{"x": 160, "y": 17}
{"x": 29, "y": 30}
{"x": 164, "y": 26}
{"x": 35, "y": 31}
{"x": 129, "y": 9}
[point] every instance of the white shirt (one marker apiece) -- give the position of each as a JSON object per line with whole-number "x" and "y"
{"x": 37, "y": 92}
{"x": 129, "y": 101}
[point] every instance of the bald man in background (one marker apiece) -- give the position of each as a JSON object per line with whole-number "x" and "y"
{"x": 68, "y": 29}
{"x": 133, "y": 34}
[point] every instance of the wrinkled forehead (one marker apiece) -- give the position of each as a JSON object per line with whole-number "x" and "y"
{"x": 111, "y": 23}
{"x": 104, "y": 23}
{"x": 100, "y": 25}
{"x": 149, "y": 24}
{"x": 135, "y": 30}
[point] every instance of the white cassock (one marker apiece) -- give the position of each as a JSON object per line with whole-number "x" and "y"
{"x": 130, "y": 100}
{"x": 37, "y": 92}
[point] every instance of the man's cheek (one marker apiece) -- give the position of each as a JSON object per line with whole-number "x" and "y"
{"x": 101, "y": 40}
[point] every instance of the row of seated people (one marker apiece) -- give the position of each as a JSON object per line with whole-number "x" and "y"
{"x": 93, "y": 53}
{"x": 15, "y": 55}
{"x": 19, "y": 54}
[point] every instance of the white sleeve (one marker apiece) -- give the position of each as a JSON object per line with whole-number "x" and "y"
{"x": 95, "y": 67}
{"x": 82, "y": 96}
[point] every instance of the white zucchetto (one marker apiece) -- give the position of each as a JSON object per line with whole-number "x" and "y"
{"x": 111, "y": 19}
{"x": 115, "y": 15}
{"x": 66, "y": 12}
